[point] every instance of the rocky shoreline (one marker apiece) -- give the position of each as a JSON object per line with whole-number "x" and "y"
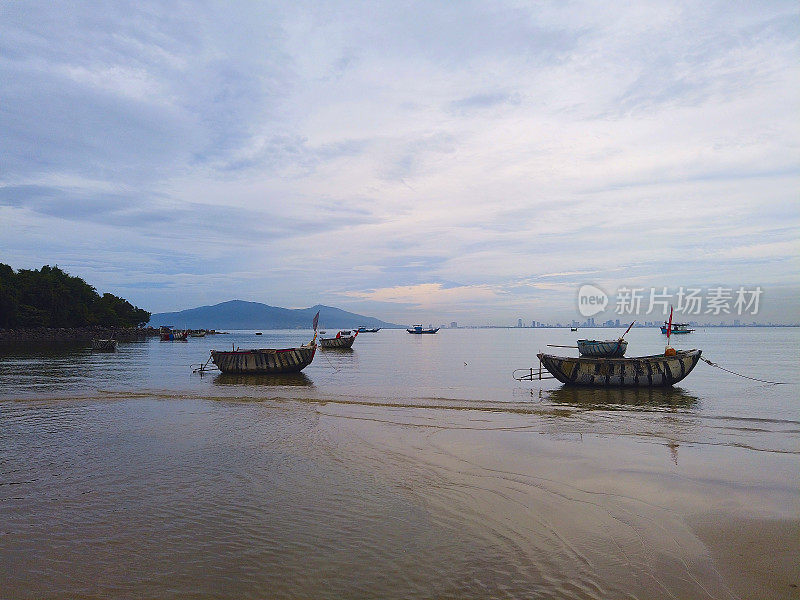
{"x": 76, "y": 334}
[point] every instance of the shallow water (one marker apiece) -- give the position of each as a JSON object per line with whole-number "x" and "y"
{"x": 411, "y": 466}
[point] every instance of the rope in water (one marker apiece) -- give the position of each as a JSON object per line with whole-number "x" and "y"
{"x": 745, "y": 376}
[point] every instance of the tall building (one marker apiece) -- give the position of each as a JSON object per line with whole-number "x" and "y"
{"x": 519, "y": 322}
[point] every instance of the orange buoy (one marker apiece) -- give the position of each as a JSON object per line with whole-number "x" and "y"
{"x": 669, "y": 351}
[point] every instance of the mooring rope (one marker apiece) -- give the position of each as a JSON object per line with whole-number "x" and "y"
{"x": 745, "y": 376}
{"x": 202, "y": 367}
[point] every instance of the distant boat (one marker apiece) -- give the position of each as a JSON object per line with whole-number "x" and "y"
{"x": 259, "y": 333}
{"x": 363, "y": 329}
{"x": 419, "y": 329}
{"x": 197, "y": 333}
{"x": 573, "y": 329}
{"x": 643, "y": 371}
{"x": 168, "y": 334}
{"x": 343, "y": 339}
{"x": 267, "y": 360}
{"x": 677, "y": 328}
{"x": 605, "y": 348}
{"x": 104, "y": 345}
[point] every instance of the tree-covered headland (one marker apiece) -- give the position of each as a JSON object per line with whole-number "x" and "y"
{"x": 49, "y": 297}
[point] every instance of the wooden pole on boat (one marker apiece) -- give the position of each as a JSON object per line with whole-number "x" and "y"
{"x": 669, "y": 330}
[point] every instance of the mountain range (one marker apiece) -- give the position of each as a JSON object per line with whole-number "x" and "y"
{"x": 239, "y": 314}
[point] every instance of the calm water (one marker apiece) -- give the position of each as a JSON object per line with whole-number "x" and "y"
{"x": 410, "y": 466}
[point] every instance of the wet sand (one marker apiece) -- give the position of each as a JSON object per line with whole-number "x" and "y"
{"x": 758, "y": 558}
{"x": 224, "y": 497}
{"x": 589, "y": 515}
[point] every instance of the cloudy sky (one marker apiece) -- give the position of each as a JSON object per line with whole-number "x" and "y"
{"x": 415, "y": 161}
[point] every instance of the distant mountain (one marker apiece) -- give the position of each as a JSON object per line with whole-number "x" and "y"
{"x": 238, "y": 314}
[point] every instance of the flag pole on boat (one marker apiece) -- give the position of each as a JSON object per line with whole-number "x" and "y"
{"x": 669, "y": 351}
{"x": 315, "y": 323}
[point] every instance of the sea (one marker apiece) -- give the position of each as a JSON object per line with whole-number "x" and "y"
{"x": 412, "y": 466}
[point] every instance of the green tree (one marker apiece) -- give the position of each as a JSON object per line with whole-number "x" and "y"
{"x": 50, "y": 297}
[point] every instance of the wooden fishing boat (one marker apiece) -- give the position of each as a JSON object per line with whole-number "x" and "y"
{"x": 168, "y": 334}
{"x": 677, "y": 328}
{"x": 104, "y": 345}
{"x": 343, "y": 339}
{"x": 265, "y": 360}
{"x": 363, "y": 329}
{"x": 642, "y": 371}
{"x": 418, "y": 329}
{"x": 602, "y": 348}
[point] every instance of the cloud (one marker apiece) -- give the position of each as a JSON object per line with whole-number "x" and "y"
{"x": 427, "y": 295}
{"x": 481, "y": 158}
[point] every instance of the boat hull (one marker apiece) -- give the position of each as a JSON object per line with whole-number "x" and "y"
{"x": 610, "y": 348}
{"x": 421, "y": 331}
{"x": 104, "y": 345}
{"x": 268, "y": 361}
{"x": 676, "y": 331}
{"x": 174, "y": 336}
{"x": 340, "y": 342}
{"x": 642, "y": 371}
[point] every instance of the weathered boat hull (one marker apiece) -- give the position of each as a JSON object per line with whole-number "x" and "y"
{"x": 340, "y": 342}
{"x": 104, "y": 345}
{"x": 610, "y": 348}
{"x": 642, "y": 371}
{"x": 269, "y": 361}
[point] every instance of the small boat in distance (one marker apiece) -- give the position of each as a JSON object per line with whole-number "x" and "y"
{"x": 602, "y": 348}
{"x": 259, "y": 333}
{"x": 573, "y": 329}
{"x": 343, "y": 339}
{"x": 419, "y": 329}
{"x": 659, "y": 370}
{"x": 168, "y": 334}
{"x": 197, "y": 332}
{"x": 677, "y": 328}
{"x": 109, "y": 345}
{"x": 363, "y": 329}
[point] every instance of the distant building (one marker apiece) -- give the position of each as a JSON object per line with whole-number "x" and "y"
{"x": 453, "y": 325}
{"x": 519, "y": 322}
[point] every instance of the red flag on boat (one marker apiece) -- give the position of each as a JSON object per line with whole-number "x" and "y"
{"x": 669, "y": 325}
{"x": 316, "y": 320}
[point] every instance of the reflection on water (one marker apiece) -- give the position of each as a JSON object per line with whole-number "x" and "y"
{"x": 256, "y": 379}
{"x": 27, "y": 350}
{"x": 609, "y": 398}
